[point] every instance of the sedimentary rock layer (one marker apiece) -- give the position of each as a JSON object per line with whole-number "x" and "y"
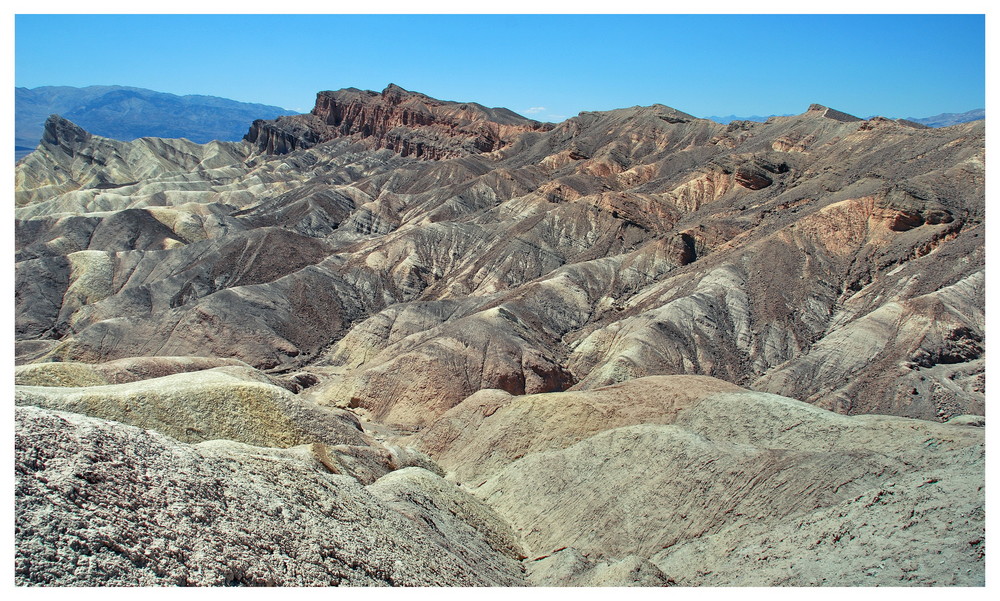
{"x": 821, "y": 256}
{"x": 405, "y": 122}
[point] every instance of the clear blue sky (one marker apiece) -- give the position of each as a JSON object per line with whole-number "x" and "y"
{"x": 892, "y": 65}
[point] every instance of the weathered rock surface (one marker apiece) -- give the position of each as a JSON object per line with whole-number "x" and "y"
{"x": 569, "y": 567}
{"x": 99, "y": 502}
{"x": 460, "y": 521}
{"x": 581, "y": 323}
{"x": 492, "y": 428}
{"x": 405, "y": 122}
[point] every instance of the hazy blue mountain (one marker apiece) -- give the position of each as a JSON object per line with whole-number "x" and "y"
{"x": 942, "y": 120}
{"x": 946, "y": 119}
{"x": 126, "y": 113}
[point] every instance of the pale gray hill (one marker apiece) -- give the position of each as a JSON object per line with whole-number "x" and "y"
{"x": 942, "y": 120}
{"x": 730, "y": 118}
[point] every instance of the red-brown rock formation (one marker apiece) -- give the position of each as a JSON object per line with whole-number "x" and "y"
{"x": 405, "y": 122}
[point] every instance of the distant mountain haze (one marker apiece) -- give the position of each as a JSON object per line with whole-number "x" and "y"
{"x": 942, "y": 120}
{"x": 946, "y": 119}
{"x": 730, "y": 118}
{"x": 126, "y": 113}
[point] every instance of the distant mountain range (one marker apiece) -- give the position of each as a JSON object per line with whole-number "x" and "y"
{"x": 942, "y": 120}
{"x": 946, "y": 119}
{"x": 126, "y": 113}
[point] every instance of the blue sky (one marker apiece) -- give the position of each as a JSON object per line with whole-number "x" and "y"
{"x": 547, "y": 66}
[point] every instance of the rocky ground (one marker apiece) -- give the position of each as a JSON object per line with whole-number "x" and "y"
{"x": 491, "y": 351}
{"x": 666, "y": 480}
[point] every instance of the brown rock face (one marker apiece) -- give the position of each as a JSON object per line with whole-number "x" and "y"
{"x": 404, "y": 122}
{"x": 752, "y": 179}
{"x": 283, "y": 135}
{"x": 59, "y": 131}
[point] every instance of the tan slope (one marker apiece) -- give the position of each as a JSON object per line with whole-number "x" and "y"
{"x": 222, "y": 403}
{"x": 639, "y": 489}
{"x": 113, "y": 372}
{"x": 569, "y": 567}
{"x": 735, "y": 465}
{"x": 918, "y": 529}
{"x": 491, "y": 428}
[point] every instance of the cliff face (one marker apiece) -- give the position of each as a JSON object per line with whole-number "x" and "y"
{"x": 283, "y": 135}
{"x": 404, "y": 122}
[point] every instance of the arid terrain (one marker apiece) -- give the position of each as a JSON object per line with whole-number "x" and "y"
{"x": 406, "y": 341}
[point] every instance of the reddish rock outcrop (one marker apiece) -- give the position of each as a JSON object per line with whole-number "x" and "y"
{"x": 404, "y": 122}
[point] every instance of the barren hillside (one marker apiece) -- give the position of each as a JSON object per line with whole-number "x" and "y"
{"x": 683, "y": 327}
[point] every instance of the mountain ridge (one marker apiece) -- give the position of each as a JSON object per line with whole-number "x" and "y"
{"x": 941, "y": 120}
{"x": 660, "y": 195}
{"x": 948, "y": 119}
{"x": 634, "y": 348}
{"x": 127, "y": 113}
{"x": 105, "y": 110}
{"x": 397, "y": 119}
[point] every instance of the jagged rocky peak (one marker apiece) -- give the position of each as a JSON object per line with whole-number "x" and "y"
{"x": 829, "y": 113}
{"x": 876, "y": 122}
{"x": 63, "y": 132}
{"x": 672, "y": 115}
{"x": 406, "y": 122}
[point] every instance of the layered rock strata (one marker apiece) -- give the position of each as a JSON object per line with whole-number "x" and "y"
{"x": 616, "y": 245}
{"x": 606, "y": 317}
{"x": 407, "y": 123}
